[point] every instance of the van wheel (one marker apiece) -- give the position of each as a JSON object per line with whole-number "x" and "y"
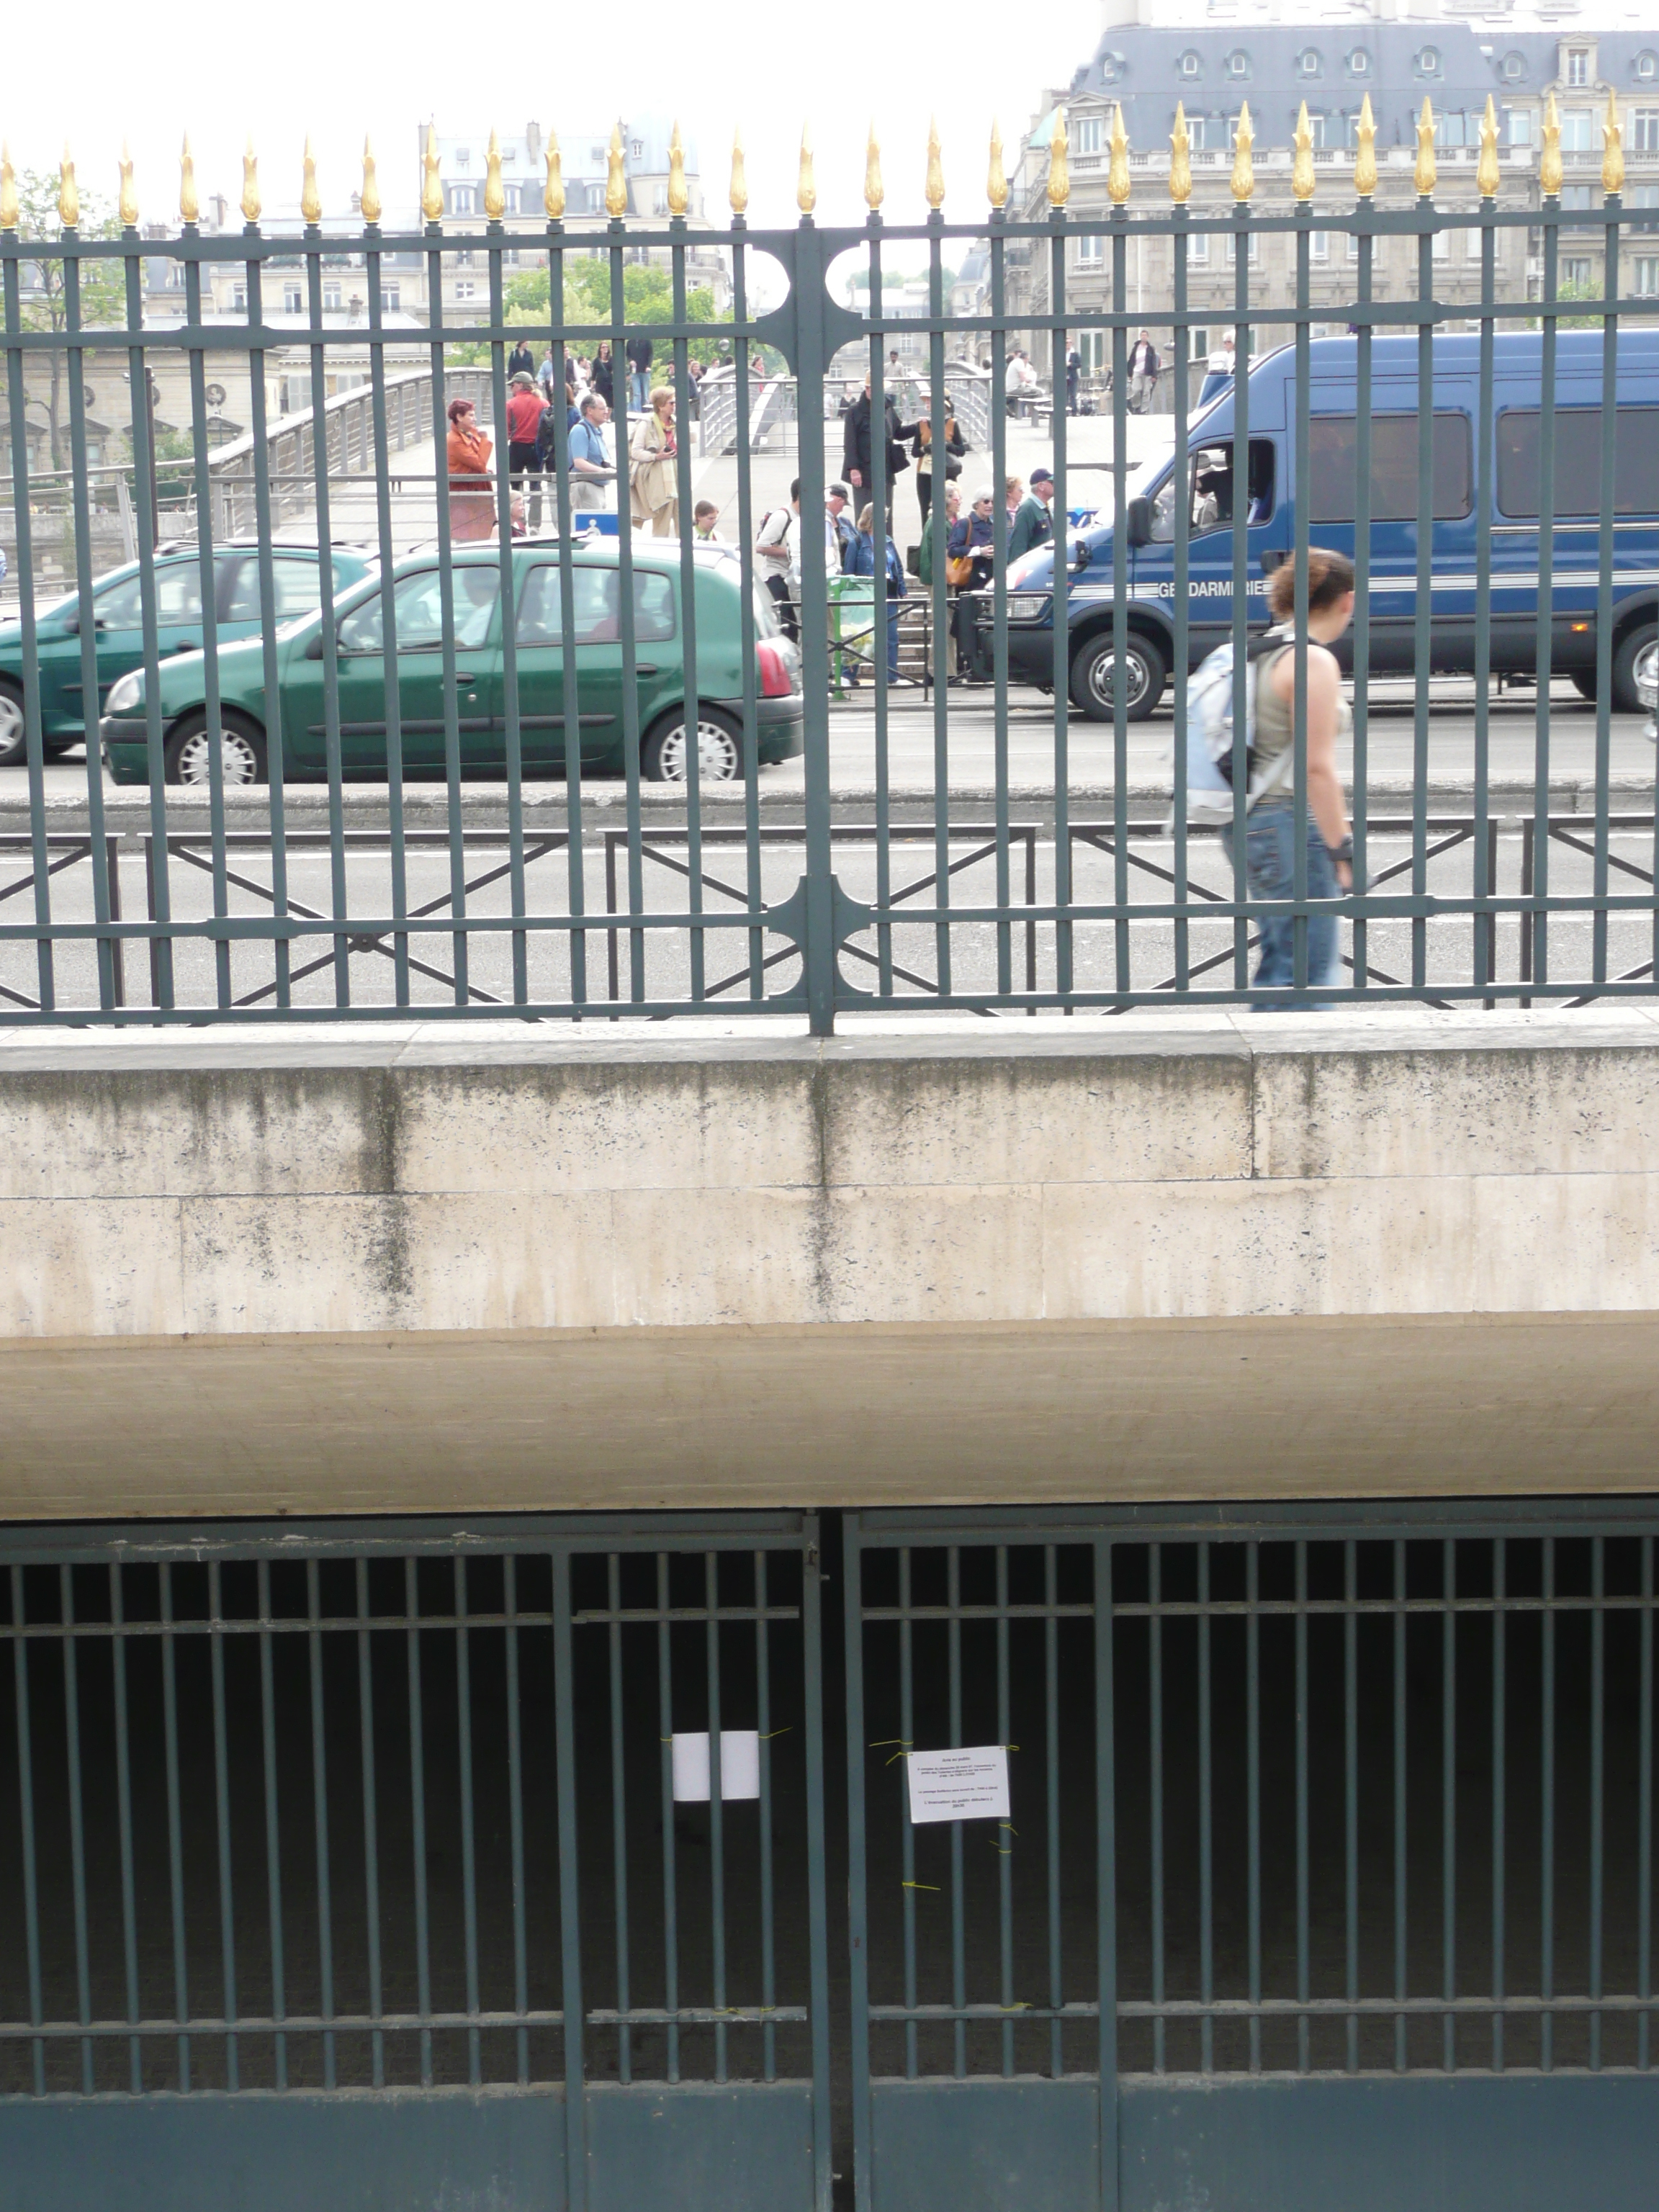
{"x": 719, "y": 749}
{"x": 189, "y": 754}
{"x": 13, "y": 735}
{"x": 1584, "y": 682}
{"x": 1635, "y": 663}
{"x": 1093, "y": 677}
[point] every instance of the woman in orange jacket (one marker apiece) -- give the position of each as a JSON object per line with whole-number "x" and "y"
{"x": 472, "y": 504}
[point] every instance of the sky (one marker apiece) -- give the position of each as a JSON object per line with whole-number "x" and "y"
{"x": 339, "y": 73}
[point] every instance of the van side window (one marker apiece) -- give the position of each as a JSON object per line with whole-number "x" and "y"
{"x": 1578, "y": 461}
{"x": 1333, "y": 482}
{"x": 1212, "y": 491}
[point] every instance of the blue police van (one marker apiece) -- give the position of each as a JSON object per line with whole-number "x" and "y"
{"x": 1505, "y": 481}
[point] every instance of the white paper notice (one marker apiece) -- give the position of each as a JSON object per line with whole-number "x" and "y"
{"x": 739, "y": 1767}
{"x": 971, "y": 1784}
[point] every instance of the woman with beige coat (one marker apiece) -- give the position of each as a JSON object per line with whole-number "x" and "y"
{"x": 653, "y": 477}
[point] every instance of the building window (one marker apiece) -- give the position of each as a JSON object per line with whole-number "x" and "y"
{"x": 1472, "y": 245}
{"x": 637, "y": 149}
{"x": 1111, "y": 68}
{"x": 1316, "y": 132}
{"x": 391, "y": 298}
{"x": 333, "y": 297}
{"x": 1252, "y": 254}
{"x": 466, "y": 289}
{"x": 1189, "y": 63}
{"x": 1428, "y": 62}
{"x": 660, "y": 200}
{"x": 462, "y": 200}
{"x": 1086, "y": 135}
{"x": 1307, "y": 63}
{"x": 1644, "y": 133}
{"x": 1440, "y": 246}
{"x": 1198, "y": 253}
{"x": 1238, "y": 62}
{"x": 1647, "y": 67}
{"x": 1359, "y": 63}
{"x": 1579, "y": 65}
{"x": 1353, "y": 245}
{"x": 1319, "y": 246}
{"x": 238, "y": 298}
{"x": 1195, "y": 132}
{"x": 1518, "y": 126}
{"x": 1576, "y": 277}
{"x": 1514, "y": 67}
{"x": 465, "y": 259}
{"x": 1647, "y": 277}
{"x": 1091, "y": 251}
{"x": 1578, "y": 129}
{"x": 1198, "y": 343}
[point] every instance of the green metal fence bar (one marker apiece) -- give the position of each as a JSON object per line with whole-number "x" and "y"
{"x": 618, "y": 1813}
{"x": 1448, "y": 1799}
{"x": 76, "y": 1825}
{"x": 1644, "y": 1814}
{"x": 272, "y": 1825}
{"x": 124, "y": 1825}
{"x": 384, "y": 542}
{"x": 1350, "y": 1793}
{"x": 320, "y": 1826}
{"x": 1547, "y": 1792}
{"x": 175, "y": 1828}
{"x": 1499, "y": 1796}
{"x": 16, "y": 401}
{"x": 1155, "y": 1741}
{"x": 1401, "y": 1902}
{"x": 671, "y": 1931}
{"x": 371, "y": 1816}
{"x": 1106, "y": 1870}
{"x": 418, "y": 1815}
{"x": 222, "y": 1818}
{"x": 1051, "y": 1777}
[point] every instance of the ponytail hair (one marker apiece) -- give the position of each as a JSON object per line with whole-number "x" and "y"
{"x": 1330, "y": 577}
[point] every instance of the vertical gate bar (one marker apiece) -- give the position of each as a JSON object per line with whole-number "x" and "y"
{"x": 1059, "y": 616}
{"x": 1524, "y": 919}
{"x": 1362, "y": 579}
{"x": 175, "y": 1841}
{"x": 468, "y": 1855}
{"x": 1449, "y": 1799}
{"x": 1119, "y": 598}
{"x": 907, "y": 1829}
{"x": 1206, "y": 1814}
{"x": 221, "y": 1815}
{"x": 1253, "y": 1778}
{"x": 1302, "y": 468}
{"x": 619, "y": 1809}
{"x": 1399, "y": 1800}
{"x": 81, "y": 497}
{"x": 124, "y": 1821}
{"x": 858, "y": 1913}
{"x": 1051, "y": 1767}
{"x": 1598, "y": 1781}
{"x": 716, "y": 1808}
{"x": 319, "y": 1813}
{"x": 939, "y": 604}
{"x": 1499, "y": 1786}
{"x": 754, "y": 884}
{"x": 1546, "y": 1964}
{"x": 1351, "y": 1786}
{"x": 763, "y": 1723}
{"x": 417, "y": 1799}
{"x": 1155, "y": 1729}
{"x": 1301, "y": 1935}
{"x": 371, "y": 1819}
{"x": 385, "y": 547}
{"x": 77, "y": 1827}
{"x": 817, "y": 1886}
{"x": 273, "y": 1830}
{"x": 1485, "y": 874}
{"x": 142, "y": 439}
{"x": 999, "y": 612}
{"x": 1550, "y": 215}
{"x": 615, "y": 234}
{"x": 1181, "y": 519}
{"x": 1604, "y": 599}
{"x": 808, "y": 300}
{"x": 265, "y": 532}
{"x": 958, "y": 1920}
{"x": 1423, "y": 599}
{"x": 1241, "y": 607}
{"x": 1644, "y": 1814}
{"x": 512, "y": 729}
{"x": 339, "y": 893}
{"x": 1106, "y": 1873}
{"x": 671, "y": 1925}
{"x": 881, "y": 493}
{"x": 569, "y": 701}
{"x": 697, "y": 947}
{"x": 26, "y": 1809}
{"x": 570, "y": 1921}
{"x": 1005, "y": 1862}
{"x": 17, "y": 424}
{"x": 454, "y": 822}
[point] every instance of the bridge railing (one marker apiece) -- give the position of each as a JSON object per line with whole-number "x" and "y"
{"x": 1492, "y": 490}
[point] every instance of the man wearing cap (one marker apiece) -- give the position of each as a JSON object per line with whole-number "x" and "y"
{"x": 1031, "y": 525}
{"x": 524, "y": 420}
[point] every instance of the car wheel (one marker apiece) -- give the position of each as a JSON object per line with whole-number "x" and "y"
{"x": 1093, "y": 672}
{"x": 189, "y": 751}
{"x": 12, "y": 734}
{"x": 1584, "y": 682}
{"x": 1635, "y": 665}
{"x": 719, "y": 750}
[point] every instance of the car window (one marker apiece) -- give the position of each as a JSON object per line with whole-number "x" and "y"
{"x": 597, "y": 596}
{"x": 178, "y": 596}
{"x": 418, "y": 612}
{"x": 1577, "y": 437}
{"x": 296, "y": 583}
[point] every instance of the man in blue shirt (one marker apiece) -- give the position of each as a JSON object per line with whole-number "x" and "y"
{"x": 590, "y": 468}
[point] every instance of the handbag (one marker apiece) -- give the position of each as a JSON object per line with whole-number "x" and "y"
{"x": 952, "y": 466}
{"x": 959, "y": 569}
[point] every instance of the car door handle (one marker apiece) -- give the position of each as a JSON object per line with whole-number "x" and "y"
{"x": 646, "y": 668}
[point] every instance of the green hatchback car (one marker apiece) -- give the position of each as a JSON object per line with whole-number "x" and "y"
{"x": 726, "y": 630}
{"x": 118, "y": 620}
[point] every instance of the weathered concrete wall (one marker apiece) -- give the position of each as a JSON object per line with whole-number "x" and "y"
{"x": 967, "y": 1259}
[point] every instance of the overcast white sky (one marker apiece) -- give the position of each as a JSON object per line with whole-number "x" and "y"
{"x": 106, "y": 70}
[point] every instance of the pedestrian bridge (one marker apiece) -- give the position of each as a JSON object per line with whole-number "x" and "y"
{"x": 377, "y": 1268}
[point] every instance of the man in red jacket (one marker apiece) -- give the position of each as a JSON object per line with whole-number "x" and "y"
{"x": 524, "y": 417}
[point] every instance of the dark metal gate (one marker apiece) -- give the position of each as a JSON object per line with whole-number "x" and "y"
{"x": 1327, "y": 1874}
{"x": 367, "y": 1865}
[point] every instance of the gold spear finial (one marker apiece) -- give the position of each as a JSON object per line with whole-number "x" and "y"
{"x": 190, "y": 203}
{"x": 1613, "y": 144}
{"x": 252, "y": 203}
{"x": 1364, "y": 160}
{"x": 68, "y": 194}
{"x": 806, "y": 190}
{"x": 996, "y": 181}
{"x": 369, "y": 199}
{"x": 311, "y": 200}
{"x": 1487, "y": 175}
{"x": 10, "y": 212}
{"x": 128, "y": 204}
{"x": 873, "y": 192}
{"x": 1549, "y": 161}
{"x": 1117, "y": 172}
{"x": 615, "y": 183}
{"x": 553, "y": 191}
{"x": 1181, "y": 164}
{"x": 1243, "y": 168}
{"x": 738, "y": 191}
{"x": 1423, "y": 175}
{"x": 935, "y": 167}
{"x": 432, "y": 190}
{"x": 1301, "y": 169}
{"x": 494, "y": 190}
{"x": 1060, "y": 168}
{"x": 679, "y": 199}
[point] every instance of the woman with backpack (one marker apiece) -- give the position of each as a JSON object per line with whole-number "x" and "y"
{"x": 1271, "y": 829}
{"x": 861, "y": 561}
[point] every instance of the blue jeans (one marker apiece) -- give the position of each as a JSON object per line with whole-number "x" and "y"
{"x": 638, "y": 382}
{"x": 1269, "y": 866}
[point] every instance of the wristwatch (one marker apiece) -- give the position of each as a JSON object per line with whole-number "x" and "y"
{"x": 1342, "y": 852}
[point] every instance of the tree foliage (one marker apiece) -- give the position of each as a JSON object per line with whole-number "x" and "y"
{"x": 648, "y": 297}
{"x": 45, "y": 301}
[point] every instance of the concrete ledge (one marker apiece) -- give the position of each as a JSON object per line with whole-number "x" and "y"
{"x": 633, "y": 1263}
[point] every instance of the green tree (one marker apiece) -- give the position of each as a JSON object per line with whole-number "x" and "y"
{"x": 1575, "y": 289}
{"x": 45, "y": 304}
{"x": 648, "y": 297}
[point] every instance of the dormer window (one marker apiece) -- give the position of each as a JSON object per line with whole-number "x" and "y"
{"x": 1307, "y": 63}
{"x": 1514, "y": 67}
{"x": 1238, "y": 62}
{"x": 1647, "y": 67}
{"x": 1577, "y": 65}
{"x": 1111, "y": 68}
{"x": 1428, "y": 62}
{"x": 1359, "y": 63}
{"x": 1189, "y": 63}
{"x": 463, "y": 157}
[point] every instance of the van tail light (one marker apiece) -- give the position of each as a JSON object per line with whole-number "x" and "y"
{"x": 774, "y": 677}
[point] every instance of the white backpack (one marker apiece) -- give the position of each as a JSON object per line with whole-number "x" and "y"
{"x": 1209, "y": 735}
